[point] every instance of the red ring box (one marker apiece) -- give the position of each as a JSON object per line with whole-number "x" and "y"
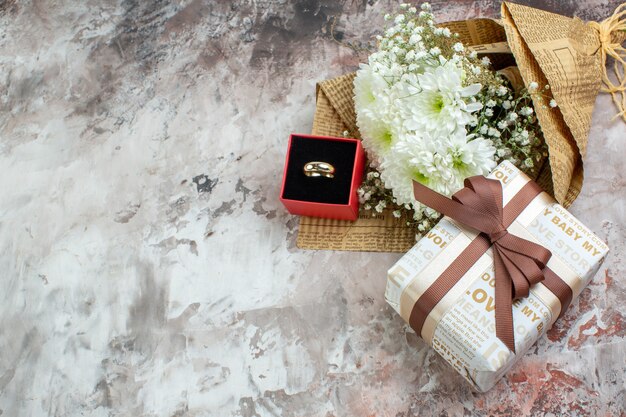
{"x": 333, "y": 198}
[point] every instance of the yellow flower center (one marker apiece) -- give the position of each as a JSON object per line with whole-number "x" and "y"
{"x": 438, "y": 103}
{"x": 419, "y": 177}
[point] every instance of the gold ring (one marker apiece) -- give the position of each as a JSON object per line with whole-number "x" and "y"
{"x": 319, "y": 169}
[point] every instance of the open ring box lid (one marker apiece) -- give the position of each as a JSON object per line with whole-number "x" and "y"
{"x": 333, "y": 198}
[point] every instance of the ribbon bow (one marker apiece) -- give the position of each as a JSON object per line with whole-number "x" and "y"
{"x": 519, "y": 263}
{"x": 611, "y": 35}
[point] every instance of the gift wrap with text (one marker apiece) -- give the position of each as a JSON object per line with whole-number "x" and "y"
{"x": 461, "y": 327}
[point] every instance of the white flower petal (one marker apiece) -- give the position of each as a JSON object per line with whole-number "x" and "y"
{"x": 473, "y": 107}
{"x": 471, "y": 90}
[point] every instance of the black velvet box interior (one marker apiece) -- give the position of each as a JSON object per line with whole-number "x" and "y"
{"x": 319, "y": 189}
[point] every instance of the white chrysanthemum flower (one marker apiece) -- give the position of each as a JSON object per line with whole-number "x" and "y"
{"x": 458, "y": 47}
{"x": 441, "y": 105}
{"x": 471, "y": 156}
{"x": 553, "y": 103}
{"x": 373, "y": 99}
{"x": 439, "y": 162}
{"x": 371, "y": 92}
{"x": 379, "y": 134}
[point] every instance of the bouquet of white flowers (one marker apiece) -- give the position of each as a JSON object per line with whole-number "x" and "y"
{"x": 429, "y": 109}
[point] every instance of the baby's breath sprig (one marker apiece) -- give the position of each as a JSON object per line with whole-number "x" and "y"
{"x": 509, "y": 120}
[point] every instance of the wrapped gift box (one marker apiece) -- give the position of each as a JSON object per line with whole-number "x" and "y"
{"x": 333, "y": 198}
{"x": 461, "y": 324}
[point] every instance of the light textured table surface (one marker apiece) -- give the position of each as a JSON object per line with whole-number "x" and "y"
{"x": 148, "y": 268}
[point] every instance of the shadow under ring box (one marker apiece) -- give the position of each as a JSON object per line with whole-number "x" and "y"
{"x": 333, "y": 198}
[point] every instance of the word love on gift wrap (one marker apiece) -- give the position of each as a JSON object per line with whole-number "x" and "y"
{"x": 494, "y": 274}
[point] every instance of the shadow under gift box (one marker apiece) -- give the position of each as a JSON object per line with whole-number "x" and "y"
{"x": 333, "y": 198}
